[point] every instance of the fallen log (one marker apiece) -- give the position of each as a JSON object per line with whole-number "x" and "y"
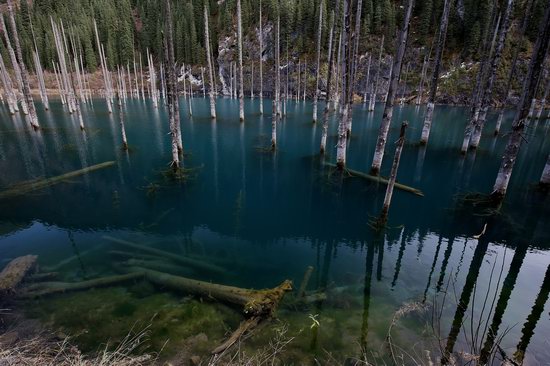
{"x": 51, "y": 288}
{"x": 43, "y": 276}
{"x": 246, "y": 326}
{"x": 193, "y": 263}
{"x": 15, "y": 272}
{"x": 156, "y": 265}
{"x": 378, "y": 179}
{"x": 30, "y": 186}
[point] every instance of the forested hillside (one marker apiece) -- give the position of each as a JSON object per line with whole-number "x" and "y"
{"x": 129, "y": 27}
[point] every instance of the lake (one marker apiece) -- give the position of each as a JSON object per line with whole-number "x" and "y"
{"x": 264, "y": 217}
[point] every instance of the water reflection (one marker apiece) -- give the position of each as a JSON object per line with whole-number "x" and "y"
{"x": 265, "y": 217}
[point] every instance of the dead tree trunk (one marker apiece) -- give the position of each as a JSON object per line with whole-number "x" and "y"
{"x": 122, "y": 127}
{"x": 393, "y": 176}
{"x": 545, "y": 178}
{"x": 210, "y": 66}
{"x": 104, "y": 68}
{"x": 318, "y": 71}
{"x": 487, "y": 90}
{"x": 32, "y": 117}
{"x": 543, "y": 100}
{"x": 346, "y": 78}
{"x": 477, "y": 93}
{"x": 376, "y": 78}
{"x": 278, "y": 65}
{"x": 261, "y": 36}
{"x": 329, "y": 78}
{"x": 367, "y": 84}
{"x": 241, "y": 78}
{"x": 512, "y": 73}
{"x": 11, "y": 98}
{"x": 388, "y": 109}
{"x": 421, "y": 83}
{"x": 516, "y": 136}
{"x": 353, "y": 55}
{"x": 251, "y": 79}
{"x": 172, "y": 84}
{"x": 428, "y": 118}
{"x": 15, "y": 65}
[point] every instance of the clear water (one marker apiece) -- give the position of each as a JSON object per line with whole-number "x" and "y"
{"x": 266, "y": 217}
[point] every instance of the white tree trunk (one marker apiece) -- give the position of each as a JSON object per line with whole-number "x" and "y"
{"x": 388, "y": 109}
{"x": 210, "y": 66}
{"x": 261, "y": 63}
{"x": 367, "y": 83}
{"x": 376, "y": 78}
{"x": 516, "y": 136}
{"x": 545, "y": 178}
{"x": 421, "y": 83}
{"x": 428, "y": 118}
{"x": 172, "y": 84}
{"x": 278, "y": 66}
{"x": 330, "y": 59}
{"x": 241, "y": 73}
{"x": 318, "y": 70}
{"x": 341, "y": 145}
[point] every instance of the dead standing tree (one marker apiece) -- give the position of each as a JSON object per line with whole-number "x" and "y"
{"x": 318, "y": 71}
{"x": 210, "y": 66}
{"x": 171, "y": 85}
{"x": 341, "y": 146}
{"x": 428, "y": 117}
{"x": 241, "y": 79}
{"x": 32, "y": 117}
{"x": 388, "y": 109}
{"x": 518, "y": 126}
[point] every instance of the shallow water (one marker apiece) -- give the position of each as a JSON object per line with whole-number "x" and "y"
{"x": 266, "y": 217}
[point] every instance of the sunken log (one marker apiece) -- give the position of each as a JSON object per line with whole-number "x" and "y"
{"x": 15, "y": 272}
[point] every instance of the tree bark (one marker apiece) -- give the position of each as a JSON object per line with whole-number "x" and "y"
{"x": 319, "y": 36}
{"x": 32, "y": 117}
{"x": 278, "y": 65}
{"x": 388, "y": 110}
{"x": 346, "y": 78}
{"x": 393, "y": 176}
{"x": 172, "y": 84}
{"x": 261, "y": 64}
{"x": 543, "y": 100}
{"x": 210, "y": 66}
{"x": 367, "y": 84}
{"x": 15, "y": 65}
{"x": 488, "y": 87}
{"x": 103, "y": 69}
{"x": 477, "y": 92}
{"x": 545, "y": 178}
{"x": 329, "y": 78}
{"x": 516, "y": 136}
{"x": 353, "y": 55}
{"x": 241, "y": 78}
{"x": 421, "y": 84}
{"x": 376, "y": 78}
{"x": 428, "y": 118}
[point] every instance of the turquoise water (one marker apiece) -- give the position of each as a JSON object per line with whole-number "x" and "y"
{"x": 266, "y": 217}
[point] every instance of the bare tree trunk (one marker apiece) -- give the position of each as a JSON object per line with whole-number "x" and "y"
{"x": 516, "y": 136}
{"x": 367, "y": 83}
{"x": 353, "y": 54}
{"x": 388, "y": 109}
{"x": 305, "y": 78}
{"x": 278, "y": 65}
{"x": 274, "y": 119}
{"x": 251, "y": 79}
{"x": 393, "y": 176}
{"x": 428, "y": 117}
{"x": 329, "y": 77}
{"x": 32, "y": 117}
{"x": 545, "y": 178}
{"x": 172, "y": 83}
{"x": 299, "y": 79}
{"x": 543, "y": 100}
{"x": 512, "y": 73}
{"x": 477, "y": 94}
{"x": 122, "y": 128}
{"x": 421, "y": 83}
{"x": 241, "y": 78}
{"x": 11, "y": 98}
{"x": 404, "y": 87}
{"x": 318, "y": 71}
{"x": 376, "y": 78}
{"x": 261, "y": 63}
{"x": 341, "y": 146}
{"x": 103, "y": 69}
{"x": 489, "y": 84}
{"x": 210, "y": 66}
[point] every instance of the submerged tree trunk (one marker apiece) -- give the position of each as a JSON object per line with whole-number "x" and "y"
{"x": 172, "y": 84}
{"x": 210, "y": 66}
{"x": 329, "y": 78}
{"x": 241, "y": 79}
{"x": 32, "y": 117}
{"x": 489, "y": 84}
{"x": 512, "y": 73}
{"x": 428, "y": 117}
{"x": 261, "y": 64}
{"x": 393, "y": 176}
{"x": 367, "y": 84}
{"x": 516, "y": 136}
{"x": 388, "y": 109}
{"x": 318, "y": 71}
{"x": 545, "y": 178}
{"x": 122, "y": 127}
{"x": 376, "y": 78}
{"x": 346, "y": 78}
{"x": 477, "y": 93}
